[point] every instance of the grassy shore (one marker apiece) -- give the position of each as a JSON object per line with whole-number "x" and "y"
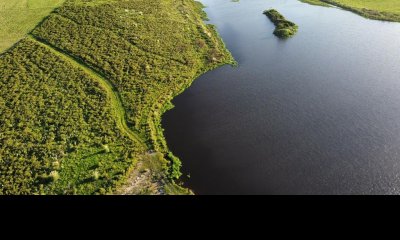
{"x": 387, "y": 10}
{"x": 283, "y": 28}
{"x": 82, "y": 97}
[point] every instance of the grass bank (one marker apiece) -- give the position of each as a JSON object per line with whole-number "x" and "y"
{"x": 283, "y": 28}
{"x": 386, "y": 10}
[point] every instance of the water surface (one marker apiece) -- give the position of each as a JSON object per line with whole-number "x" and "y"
{"x": 316, "y": 114}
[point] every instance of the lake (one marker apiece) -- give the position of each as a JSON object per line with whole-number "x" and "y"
{"x": 315, "y": 114}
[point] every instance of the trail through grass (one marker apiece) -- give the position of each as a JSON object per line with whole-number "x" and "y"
{"x": 115, "y": 99}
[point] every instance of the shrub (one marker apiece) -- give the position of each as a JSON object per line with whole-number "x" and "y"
{"x": 54, "y": 176}
{"x": 283, "y": 27}
{"x": 106, "y": 149}
{"x": 56, "y": 165}
{"x": 95, "y": 175}
{"x": 176, "y": 165}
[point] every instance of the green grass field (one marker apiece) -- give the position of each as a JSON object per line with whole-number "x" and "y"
{"x": 387, "y": 10}
{"x": 18, "y": 17}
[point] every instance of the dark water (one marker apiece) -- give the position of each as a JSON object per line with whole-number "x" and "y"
{"x": 316, "y": 114}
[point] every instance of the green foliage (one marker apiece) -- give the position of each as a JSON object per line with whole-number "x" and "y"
{"x": 96, "y": 175}
{"x": 161, "y": 45}
{"x": 150, "y": 51}
{"x": 48, "y": 110}
{"x": 78, "y": 170}
{"x": 154, "y": 162}
{"x": 174, "y": 189}
{"x": 283, "y": 27}
{"x": 96, "y": 76}
{"x": 54, "y": 176}
{"x": 176, "y": 165}
{"x": 56, "y": 165}
{"x": 106, "y": 148}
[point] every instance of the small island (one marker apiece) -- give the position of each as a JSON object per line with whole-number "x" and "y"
{"x": 283, "y": 28}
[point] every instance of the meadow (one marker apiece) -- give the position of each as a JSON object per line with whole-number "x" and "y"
{"x": 19, "y": 17}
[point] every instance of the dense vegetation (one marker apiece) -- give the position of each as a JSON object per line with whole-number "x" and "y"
{"x": 166, "y": 51}
{"x": 387, "y": 10}
{"x": 49, "y": 112}
{"x": 283, "y": 27}
{"x": 81, "y": 99}
{"x": 18, "y": 17}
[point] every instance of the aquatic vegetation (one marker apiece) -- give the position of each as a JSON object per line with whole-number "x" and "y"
{"x": 283, "y": 27}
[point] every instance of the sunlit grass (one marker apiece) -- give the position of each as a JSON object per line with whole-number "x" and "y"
{"x": 18, "y": 17}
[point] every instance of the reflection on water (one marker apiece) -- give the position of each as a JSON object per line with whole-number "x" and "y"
{"x": 315, "y": 114}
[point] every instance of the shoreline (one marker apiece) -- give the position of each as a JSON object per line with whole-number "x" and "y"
{"x": 364, "y": 12}
{"x": 228, "y": 60}
{"x": 159, "y": 144}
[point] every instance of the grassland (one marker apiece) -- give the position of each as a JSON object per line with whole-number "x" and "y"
{"x": 18, "y": 17}
{"x": 387, "y": 10}
{"x": 283, "y": 28}
{"x": 82, "y": 97}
